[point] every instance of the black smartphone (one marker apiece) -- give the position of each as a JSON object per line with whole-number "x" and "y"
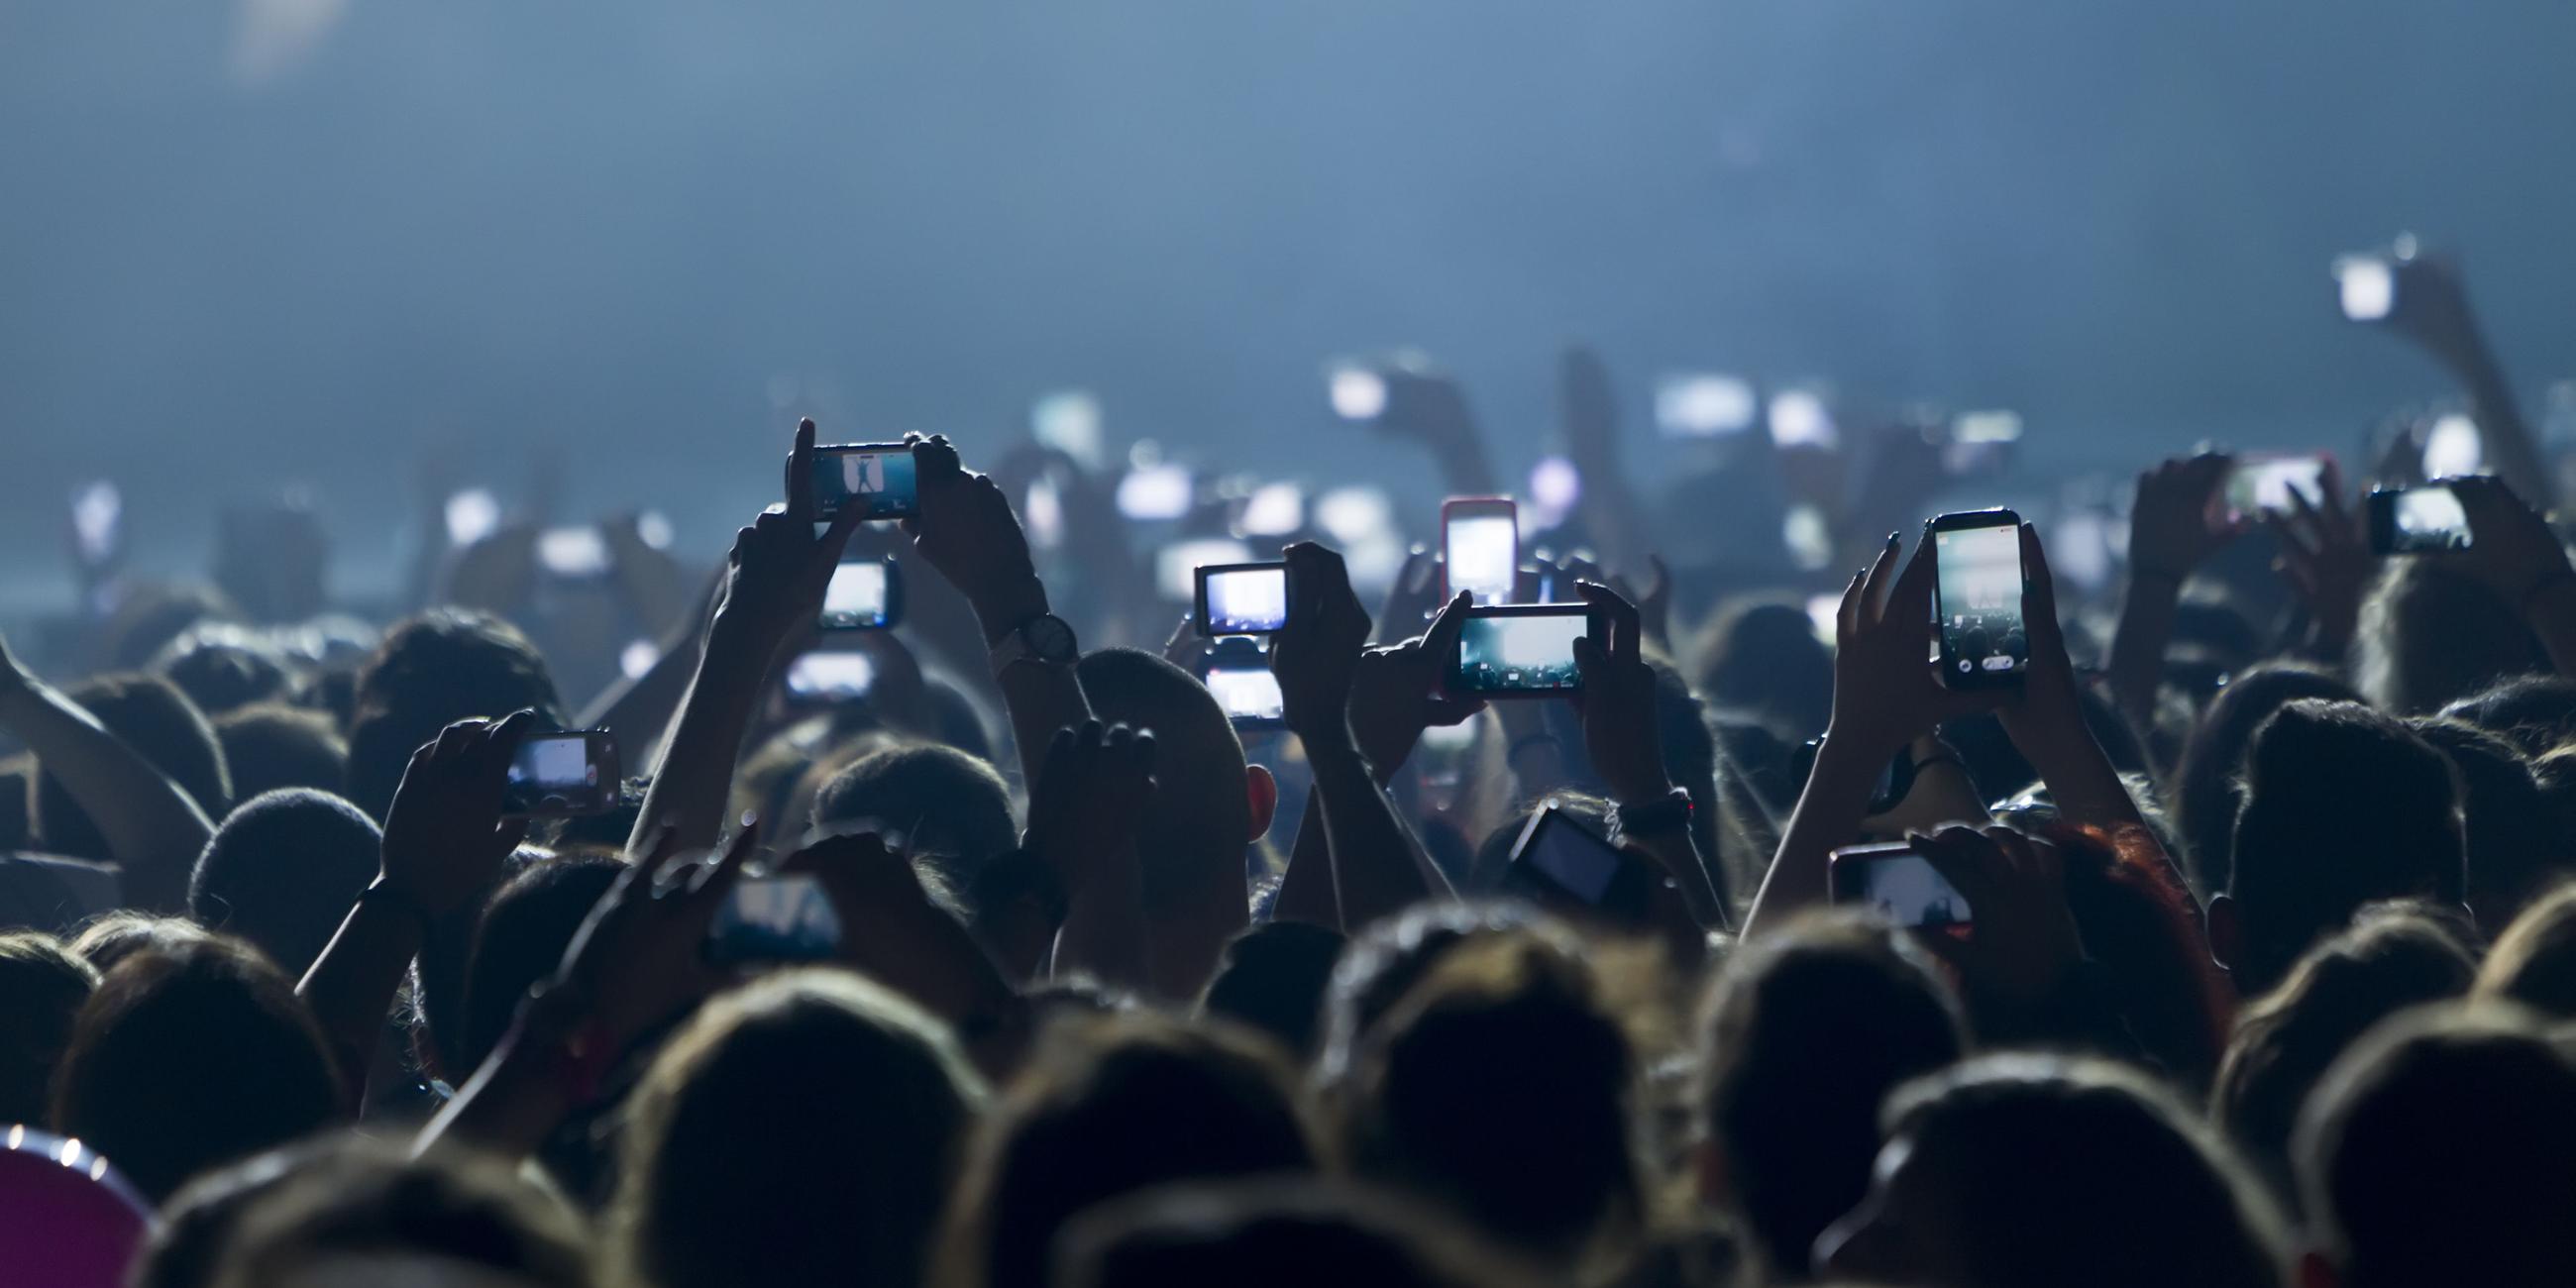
{"x": 865, "y": 595}
{"x": 1515, "y": 651}
{"x": 1558, "y": 860}
{"x": 1977, "y": 597}
{"x": 780, "y": 918}
{"x": 1238, "y": 675}
{"x": 1242, "y": 598}
{"x": 563, "y": 775}
{"x": 876, "y": 476}
{"x": 824, "y": 676}
{"x": 1898, "y": 883}
{"x": 2417, "y": 520}
{"x": 1894, "y": 781}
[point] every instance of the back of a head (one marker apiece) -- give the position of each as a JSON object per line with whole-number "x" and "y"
{"x": 2436, "y": 1151}
{"x": 432, "y": 670}
{"x": 356, "y": 1212}
{"x": 1272, "y": 980}
{"x": 283, "y": 870}
{"x": 270, "y": 745}
{"x": 2054, "y": 1170}
{"x": 42, "y": 987}
{"x": 1110, "y": 1107}
{"x": 2432, "y": 634}
{"x": 1450, "y": 1098}
{"x": 2534, "y": 712}
{"x": 1387, "y": 958}
{"x": 190, "y": 1057}
{"x": 2206, "y": 790}
{"x": 1761, "y": 658}
{"x": 152, "y": 614}
{"x": 2286, "y": 1040}
{"x": 2343, "y": 807}
{"x": 2516, "y": 844}
{"x": 802, "y": 1130}
{"x": 952, "y": 810}
{"x": 1805, "y": 1034}
{"x": 1200, "y": 822}
{"x": 1275, "y": 1234}
{"x": 223, "y": 667}
{"x": 109, "y": 939}
{"x": 2533, "y": 963}
{"x": 520, "y": 939}
{"x": 154, "y": 718}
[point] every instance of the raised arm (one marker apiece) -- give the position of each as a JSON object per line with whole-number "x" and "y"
{"x": 1098, "y": 783}
{"x": 2514, "y": 552}
{"x": 2171, "y": 533}
{"x": 2432, "y": 309}
{"x": 153, "y": 830}
{"x": 774, "y": 581}
{"x": 1620, "y": 738}
{"x": 2045, "y": 720}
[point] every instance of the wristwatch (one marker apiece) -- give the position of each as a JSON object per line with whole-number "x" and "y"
{"x": 1670, "y": 812}
{"x": 1043, "y": 639}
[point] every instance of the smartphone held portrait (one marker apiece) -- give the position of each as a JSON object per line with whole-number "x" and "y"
{"x": 1977, "y": 596}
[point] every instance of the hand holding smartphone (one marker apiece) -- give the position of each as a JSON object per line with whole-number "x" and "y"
{"x": 563, "y": 775}
{"x": 879, "y": 478}
{"x": 1977, "y": 588}
{"x": 779, "y": 918}
{"x": 2417, "y": 520}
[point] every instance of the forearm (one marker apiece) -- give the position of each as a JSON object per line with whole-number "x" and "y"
{"x": 2081, "y": 780}
{"x": 1106, "y": 934}
{"x": 152, "y": 828}
{"x": 1677, "y": 853}
{"x": 350, "y": 988}
{"x": 1378, "y": 867}
{"x": 2137, "y": 661}
{"x": 1040, "y": 698}
{"x": 1307, "y": 891}
{"x": 2509, "y": 446}
{"x": 512, "y": 1103}
{"x": 1827, "y": 816}
{"x": 694, "y": 781}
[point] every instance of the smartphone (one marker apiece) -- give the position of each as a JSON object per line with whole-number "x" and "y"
{"x": 1519, "y": 651}
{"x": 1480, "y": 547}
{"x": 822, "y": 677}
{"x": 2417, "y": 520}
{"x": 1704, "y": 405}
{"x": 2263, "y": 484}
{"x": 1559, "y": 858}
{"x": 780, "y": 918}
{"x": 573, "y": 554}
{"x": 1901, "y": 885}
{"x": 2366, "y": 286}
{"x": 563, "y": 775}
{"x": 876, "y": 476}
{"x": 1244, "y": 686}
{"x": 1242, "y": 599}
{"x": 1976, "y": 594}
{"x": 863, "y": 596}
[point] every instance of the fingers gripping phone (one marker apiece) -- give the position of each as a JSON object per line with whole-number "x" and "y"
{"x": 879, "y": 477}
{"x": 780, "y": 918}
{"x": 1242, "y": 599}
{"x": 1898, "y": 883}
{"x": 863, "y": 596}
{"x": 1977, "y": 598}
{"x": 2417, "y": 520}
{"x": 1480, "y": 547}
{"x": 1519, "y": 651}
{"x": 563, "y": 775}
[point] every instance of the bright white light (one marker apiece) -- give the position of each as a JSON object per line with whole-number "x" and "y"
{"x": 2453, "y": 447}
{"x": 96, "y": 509}
{"x": 1810, "y": 541}
{"x": 2080, "y": 549}
{"x": 1044, "y": 514}
{"x": 1986, "y": 427}
{"x": 1274, "y": 510}
{"x": 1823, "y": 614}
{"x": 1358, "y": 393}
{"x": 653, "y": 528}
{"x": 471, "y": 516}
{"x": 1703, "y": 404}
{"x": 1555, "y": 485}
{"x": 1155, "y": 492}
{"x": 1799, "y": 419}
{"x": 1352, "y": 515}
{"x": 1176, "y": 566}
{"x": 2368, "y": 286}
{"x": 573, "y": 552}
{"x": 637, "y": 658}
{"x": 1069, "y": 421}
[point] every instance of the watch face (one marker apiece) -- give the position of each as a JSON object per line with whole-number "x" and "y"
{"x": 1049, "y": 638}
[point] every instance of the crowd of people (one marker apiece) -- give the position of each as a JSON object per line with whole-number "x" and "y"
{"x": 2251, "y": 967}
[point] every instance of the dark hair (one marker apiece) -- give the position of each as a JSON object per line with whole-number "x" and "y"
{"x": 150, "y": 715}
{"x": 2432, "y": 634}
{"x": 953, "y": 811}
{"x": 269, "y": 745}
{"x": 1760, "y": 658}
{"x": 2343, "y": 807}
{"x": 42, "y": 987}
{"x": 1804, "y": 1034}
{"x": 223, "y": 667}
{"x": 1272, "y": 980}
{"x": 1292, "y": 1233}
{"x": 520, "y": 939}
{"x": 2436, "y": 1151}
{"x": 282, "y": 872}
{"x": 1388, "y": 957}
{"x": 109, "y": 938}
{"x": 2206, "y": 787}
{"x": 432, "y": 670}
{"x": 189, "y": 1057}
{"x": 360, "y": 1199}
{"x": 1998, "y": 768}
{"x": 2534, "y": 961}
{"x": 1109, "y": 1107}
{"x": 802, "y": 1130}
{"x": 2392, "y": 958}
{"x": 1449, "y": 1097}
{"x": 2536, "y": 712}
{"x": 2068, "y": 1170}
{"x": 2516, "y": 843}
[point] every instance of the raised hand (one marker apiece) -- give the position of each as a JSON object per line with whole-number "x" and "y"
{"x": 638, "y": 958}
{"x": 778, "y": 567}
{"x": 2174, "y": 526}
{"x": 1654, "y": 603}
{"x": 1316, "y": 655}
{"x": 445, "y": 839}
{"x": 967, "y": 531}
{"x": 1412, "y": 597}
{"x": 2327, "y": 561}
{"x": 1885, "y": 690}
{"x": 2025, "y": 940}
{"x": 1618, "y": 702}
{"x": 1097, "y": 785}
{"x": 2511, "y": 547}
{"x": 1395, "y": 694}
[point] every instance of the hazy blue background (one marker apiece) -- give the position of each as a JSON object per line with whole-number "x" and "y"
{"x": 243, "y": 244}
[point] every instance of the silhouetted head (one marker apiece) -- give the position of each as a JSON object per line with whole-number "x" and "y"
{"x": 282, "y": 872}
{"x": 1805, "y": 1034}
{"x": 2537, "y": 712}
{"x": 2533, "y": 962}
{"x": 1387, "y": 958}
{"x": 189, "y": 1057}
{"x": 2516, "y": 840}
{"x": 224, "y": 667}
{"x": 270, "y": 745}
{"x": 1276, "y": 1234}
{"x": 520, "y": 939}
{"x": 42, "y": 986}
{"x": 1761, "y": 658}
{"x": 432, "y": 670}
{"x": 2207, "y": 779}
{"x": 2432, "y": 634}
{"x": 1272, "y": 980}
{"x": 2343, "y": 807}
{"x": 161, "y": 725}
{"x": 359, "y": 1211}
{"x": 952, "y": 810}
{"x": 112, "y": 937}
{"x": 801, "y": 1130}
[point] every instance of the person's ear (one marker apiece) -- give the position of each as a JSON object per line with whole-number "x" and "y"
{"x": 2315, "y": 1271}
{"x": 1261, "y": 795}
{"x": 1708, "y": 1169}
{"x": 2226, "y": 931}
